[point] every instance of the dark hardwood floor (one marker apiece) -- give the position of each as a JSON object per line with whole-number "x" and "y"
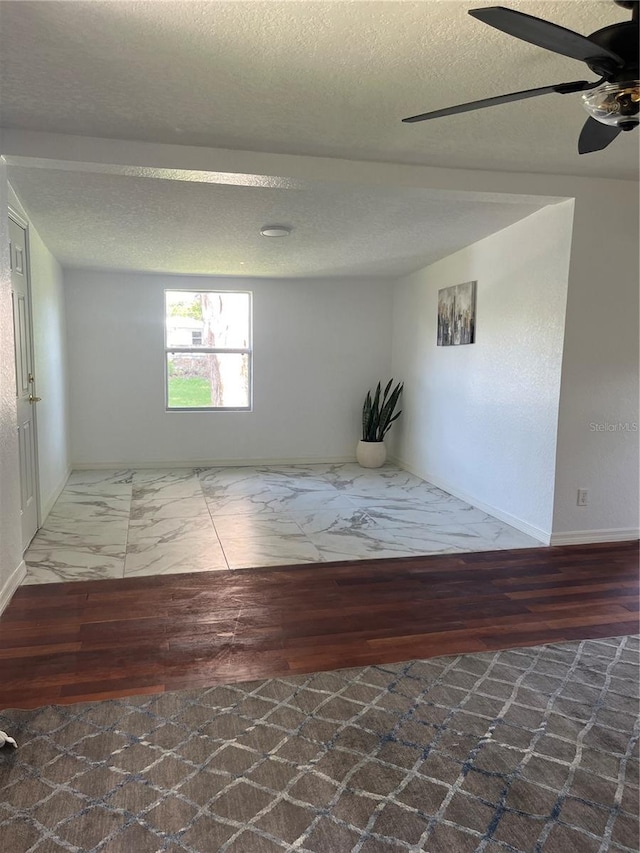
{"x": 70, "y": 642}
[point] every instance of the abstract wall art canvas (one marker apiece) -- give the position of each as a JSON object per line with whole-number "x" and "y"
{"x": 457, "y": 315}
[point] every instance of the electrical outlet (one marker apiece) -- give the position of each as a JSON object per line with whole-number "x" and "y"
{"x": 583, "y": 497}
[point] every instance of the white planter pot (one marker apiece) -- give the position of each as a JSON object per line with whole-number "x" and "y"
{"x": 371, "y": 454}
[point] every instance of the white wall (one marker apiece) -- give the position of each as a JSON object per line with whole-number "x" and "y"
{"x": 481, "y": 420}
{"x": 600, "y": 370}
{"x": 11, "y": 566}
{"x": 318, "y": 347}
{"x": 49, "y": 343}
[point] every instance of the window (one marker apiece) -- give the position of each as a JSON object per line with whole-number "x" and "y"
{"x": 207, "y": 349}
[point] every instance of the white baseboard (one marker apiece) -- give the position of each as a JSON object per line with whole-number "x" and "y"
{"x": 47, "y": 505}
{"x": 586, "y": 537}
{"x": 11, "y": 584}
{"x": 524, "y": 526}
{"x": 212, "y": 463}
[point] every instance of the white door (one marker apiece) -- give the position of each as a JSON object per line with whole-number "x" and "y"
{"x": 25, "y": 381}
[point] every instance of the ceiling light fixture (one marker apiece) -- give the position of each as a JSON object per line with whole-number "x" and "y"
{"x": 275, "y": 231}
{"x": 617, "y": 104}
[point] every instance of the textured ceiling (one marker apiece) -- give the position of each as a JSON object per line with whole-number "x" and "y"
{"x": 114, "y": 221}
{"x": 317, "y": 78}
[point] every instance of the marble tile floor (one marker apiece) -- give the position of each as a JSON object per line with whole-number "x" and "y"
{"x": 114, "y": 524}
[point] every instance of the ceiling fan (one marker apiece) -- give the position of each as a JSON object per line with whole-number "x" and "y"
{"x": 613, "y": 101}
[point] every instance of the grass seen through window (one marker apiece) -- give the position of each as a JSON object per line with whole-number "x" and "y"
{"x": 192, "y": 393}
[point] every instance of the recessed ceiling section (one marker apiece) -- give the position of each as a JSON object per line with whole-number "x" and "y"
{"x": 115, "y": 222}
{"x": 314, "y": 78}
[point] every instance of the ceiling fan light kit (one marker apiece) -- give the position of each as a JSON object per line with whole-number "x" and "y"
{"x": 613, "y": 101}
{"x": 615, "y": 104}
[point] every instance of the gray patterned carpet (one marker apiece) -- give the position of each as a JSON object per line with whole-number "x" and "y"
{"x": 532, "y": 750}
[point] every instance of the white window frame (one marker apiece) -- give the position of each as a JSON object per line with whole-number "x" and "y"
{"x": 203, "y": 351}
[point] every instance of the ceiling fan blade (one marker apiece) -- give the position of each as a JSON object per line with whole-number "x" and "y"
{"x": 545, "y": 34}
{"x": 595, "y": 136}
{"x": 560, "y": 88}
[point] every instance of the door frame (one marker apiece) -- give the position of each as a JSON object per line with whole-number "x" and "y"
{"x": 23, "y": 223}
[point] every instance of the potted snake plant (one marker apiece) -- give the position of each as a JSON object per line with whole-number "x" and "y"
{"x": 377, "y": 418}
